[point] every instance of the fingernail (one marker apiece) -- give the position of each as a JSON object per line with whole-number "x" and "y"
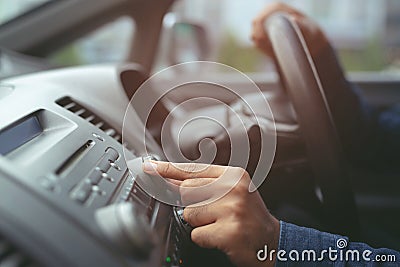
{"x": 150, "y": 167}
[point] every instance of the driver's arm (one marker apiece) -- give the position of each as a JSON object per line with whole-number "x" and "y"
{"x": 351, "y": 114}
{"x": 230, "y": 218}
{"x": 312, "y": 33}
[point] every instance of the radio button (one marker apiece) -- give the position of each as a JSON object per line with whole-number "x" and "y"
{"x": 95, "y": 176}
{"x": 98, "y": 191}
{"x": 104, "y": 164}
{"x": 49, "y": 184}
{"x": 82, "y": 193}
{"x": 112, "y": 154}
{"x": 98, "y": 137}
{"x": 115, "y": 166}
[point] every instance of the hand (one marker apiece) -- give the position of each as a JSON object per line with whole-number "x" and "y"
{"x": 313, "y": 34}
{"x": 225, "y": 215}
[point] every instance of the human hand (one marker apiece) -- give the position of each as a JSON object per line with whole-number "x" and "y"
{"x": 312, "y": 33}
{"x": 224, "y": 214}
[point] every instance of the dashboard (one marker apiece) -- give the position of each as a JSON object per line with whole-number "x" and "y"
{"x": 67, "y": 196}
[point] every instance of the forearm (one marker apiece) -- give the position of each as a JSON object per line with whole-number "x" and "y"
{"x": 368, "y": 136}
{"x": 300, "y": 246}
{"x": 351, "y": 114}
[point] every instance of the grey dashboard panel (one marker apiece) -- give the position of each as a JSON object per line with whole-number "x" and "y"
{"x": 379, "y": 88}
{"x": 54, "y": 179}
{"x": 13, "y": 64}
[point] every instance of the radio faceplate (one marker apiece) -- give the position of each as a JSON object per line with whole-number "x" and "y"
{"x": 53, "y": 184}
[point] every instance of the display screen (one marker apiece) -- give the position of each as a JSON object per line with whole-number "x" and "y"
{"x": 17, "y": 135}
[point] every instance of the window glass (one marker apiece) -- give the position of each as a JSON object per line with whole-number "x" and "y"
{"x": 364, "y": 32}
{"x": 110, "y": 43}
{"x": 10, "y": 9}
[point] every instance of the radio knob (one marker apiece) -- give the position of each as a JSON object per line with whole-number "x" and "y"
{"x": 127, "y": 228}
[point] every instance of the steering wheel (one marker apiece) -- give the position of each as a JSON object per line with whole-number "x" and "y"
{"x": 300, "y": 80}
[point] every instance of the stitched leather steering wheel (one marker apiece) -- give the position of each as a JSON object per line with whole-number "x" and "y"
{"x": 300, "y": 80}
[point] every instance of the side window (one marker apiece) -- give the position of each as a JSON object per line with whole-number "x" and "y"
{"x": 110, "y": 43}
{"x": 364, "y": 32}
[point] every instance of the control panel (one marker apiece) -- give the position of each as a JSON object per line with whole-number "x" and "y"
{"x": 67, "y": 196}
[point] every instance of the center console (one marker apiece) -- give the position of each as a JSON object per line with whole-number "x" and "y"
{"x": 67, "y": 197}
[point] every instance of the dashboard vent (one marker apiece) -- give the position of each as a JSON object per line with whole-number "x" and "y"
{"x": 89, "y": 116}
{"x": 10, "y": 256}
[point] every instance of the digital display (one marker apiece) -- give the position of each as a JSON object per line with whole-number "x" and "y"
{"x": 17, "y": 135}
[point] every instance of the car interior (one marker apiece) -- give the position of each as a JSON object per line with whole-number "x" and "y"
{"x": 67, "y": 195}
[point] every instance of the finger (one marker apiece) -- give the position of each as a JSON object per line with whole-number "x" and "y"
{"x": 206, "y": 236}
{"x": 259, "y": 36}
{"x": 258, "y": 30}
{"x": 193, "y": 191}
{"x": 182, "y": 171}
{"x": 174, "y": 182}
{"x": 203, "y": 191}
{"x": 200, "y": 216}
{"x": 195, "y": 183}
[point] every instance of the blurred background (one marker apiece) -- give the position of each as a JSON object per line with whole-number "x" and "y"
{"x": 364, "y": 32}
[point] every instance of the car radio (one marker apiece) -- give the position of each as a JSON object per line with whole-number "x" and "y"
{"x": 67, "y": 197}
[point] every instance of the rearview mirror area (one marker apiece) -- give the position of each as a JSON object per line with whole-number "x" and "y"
{"x": 187, "y": 41}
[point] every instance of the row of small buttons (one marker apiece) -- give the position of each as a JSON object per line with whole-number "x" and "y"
{"x": 139, "y": 196}
{"x": 89, "y": 185}
{"x": 84, "y": 190}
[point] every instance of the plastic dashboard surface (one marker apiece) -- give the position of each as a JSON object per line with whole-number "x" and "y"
{"x": 63, "y": 161}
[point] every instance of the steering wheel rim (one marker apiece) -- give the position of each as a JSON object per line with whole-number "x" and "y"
{"x": 300, "y": 80}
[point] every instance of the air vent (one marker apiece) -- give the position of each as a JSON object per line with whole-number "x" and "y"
{"x": 10, "y": 256}
{"x": 89, "y": 116}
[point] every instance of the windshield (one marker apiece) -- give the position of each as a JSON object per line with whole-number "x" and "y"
{"x": 364, "y": 33}
{"x": 10, "y": 9}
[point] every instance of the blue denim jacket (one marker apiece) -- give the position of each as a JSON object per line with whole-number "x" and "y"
{"x": 301, "y": 246}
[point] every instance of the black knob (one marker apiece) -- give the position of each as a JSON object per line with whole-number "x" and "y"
{"x": 184, "y": 226}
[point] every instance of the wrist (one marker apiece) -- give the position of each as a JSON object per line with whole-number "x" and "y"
{"x": 274, "y": 244}
{"x": 266, "y": 256}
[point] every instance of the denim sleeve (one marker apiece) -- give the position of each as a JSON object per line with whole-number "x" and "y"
{"x": 370, "y": 136}
{"x": 300, "y": 246}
